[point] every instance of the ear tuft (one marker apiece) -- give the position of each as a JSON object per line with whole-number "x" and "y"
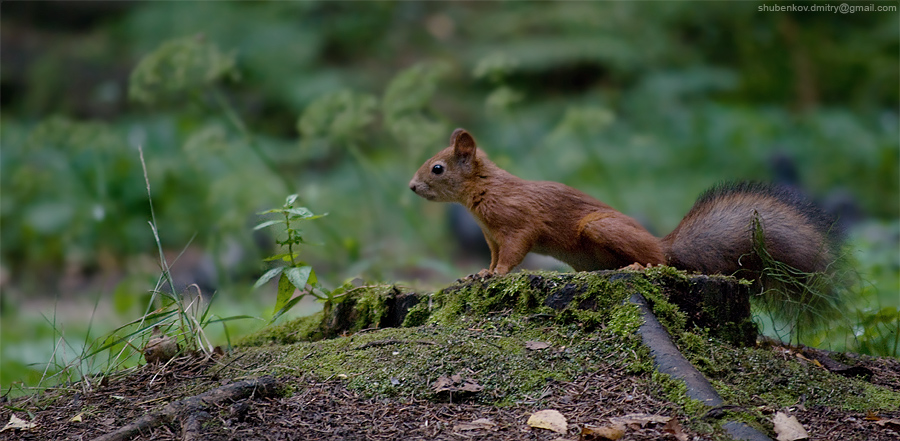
{"x": 463, "y": 144}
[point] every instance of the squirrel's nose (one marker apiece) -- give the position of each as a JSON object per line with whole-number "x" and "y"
{"x": 412, "y": 185}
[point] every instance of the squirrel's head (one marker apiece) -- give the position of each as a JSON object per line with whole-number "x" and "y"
{"x": 447, "y": 175}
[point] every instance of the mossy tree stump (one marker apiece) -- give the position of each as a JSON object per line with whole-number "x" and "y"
{"x": 717, "y": 304}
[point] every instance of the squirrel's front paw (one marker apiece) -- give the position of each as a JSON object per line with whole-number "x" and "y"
{"x": 484, "y": 274}
{"x": 481, "y": 275}
{"x": 637, "y": 267}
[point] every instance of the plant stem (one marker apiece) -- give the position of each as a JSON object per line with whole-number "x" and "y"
{"x": 290, "y": 238}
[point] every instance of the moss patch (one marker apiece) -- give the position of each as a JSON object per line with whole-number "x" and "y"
{"x": 480, "y": 330}
{"x": 493, "y": 352}
{"x": 364, "y": 307}
{"x": 775, "y": 378}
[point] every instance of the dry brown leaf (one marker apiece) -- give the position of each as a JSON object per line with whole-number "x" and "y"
{"x": 536, "y": 345}
{"x": 443, "y": 383}
{"x": 603, "y": 433}
{"x": 674, "y": 427}
{"x": 479, "y": 424}
{"x": 469, "y": 385}
{"x": 893, "y": 423}
{"x": 455, "y": 383}
{"x": 788, "y": 428}
{"x": 16, "y": 423}
{"x": 549, "y": 419}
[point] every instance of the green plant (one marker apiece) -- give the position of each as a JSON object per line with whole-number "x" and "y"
{"x": 179, "y": 317}
{"x": 296, "y": 274}
{"x": 188, "y": 314}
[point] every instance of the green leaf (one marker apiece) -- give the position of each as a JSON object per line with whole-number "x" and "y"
{"x": 268, "y": 276}
{"x": 280, "y": 256}
{"x": 285, "y": 292}
{"x": 230, "y": 318}
{"x": 268, "y": 223}
{"x": 299, "y": 276}
{"x": 290, "y": 200}
{"x": 301, "y": 212}
{"x": 287, "y": 307}
{"x": 310, "y": 217}
{"x": 274, "y": 210}
{"x": 312, "y": 280}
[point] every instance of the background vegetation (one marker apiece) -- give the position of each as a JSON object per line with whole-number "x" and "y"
{"x": 237, "y": 105}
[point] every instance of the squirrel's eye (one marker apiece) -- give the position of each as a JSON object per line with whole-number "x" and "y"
{"x": 437, "y": 169}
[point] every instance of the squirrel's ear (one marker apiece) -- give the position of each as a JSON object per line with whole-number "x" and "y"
{"x": 463, "y": 143}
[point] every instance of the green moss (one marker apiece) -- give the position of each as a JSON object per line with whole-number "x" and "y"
{"x": 357, "y": 308}
{"x": 407, "y": 361}
{"x": 478, "y": 330}
{"x": 370, "y": 305}
{"x": 767, "y": 376}
{"x": 676, "y": 391}
{"x": 307, "y": 328}
{"x": 587, "y": 297}
{"x": 417, "y": 315}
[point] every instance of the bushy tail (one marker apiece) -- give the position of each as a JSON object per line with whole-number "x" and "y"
{"x": 772, "y": 235}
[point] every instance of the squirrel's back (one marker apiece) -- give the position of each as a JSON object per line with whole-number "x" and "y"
{"x": 731, "y": 226}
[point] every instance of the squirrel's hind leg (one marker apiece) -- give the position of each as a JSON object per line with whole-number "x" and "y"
{"x": 619, "y": 241}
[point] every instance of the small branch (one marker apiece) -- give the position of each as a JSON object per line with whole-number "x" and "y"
{"x": 192, "y": 426}
{"x": 191, "y": 409}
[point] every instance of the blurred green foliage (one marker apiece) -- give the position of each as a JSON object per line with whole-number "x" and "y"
{"x": 178, "y": 67}
{"x": 641, "y": 104}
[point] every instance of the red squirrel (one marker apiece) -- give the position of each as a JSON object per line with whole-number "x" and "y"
{"x": 715, "y": 237}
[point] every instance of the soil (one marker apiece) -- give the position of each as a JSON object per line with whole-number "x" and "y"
{"x": 325, "y": 409}
{"x": 335, "y": 389}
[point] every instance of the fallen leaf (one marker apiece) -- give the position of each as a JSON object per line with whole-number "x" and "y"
{"x": 674, "y": 427}
{"x": 549, "y": 419}
{"x": 76, "y": 418}
{"x": 443, "y": 383}
{"x": 602, "y": 433}
{"x": 893, "y": 423}
{"x": 16, "y": 423}
{"x": 455, "y": 383}
{"x": 469, "y": 385}
{"x": 788, "y": 428}
{"x": 479, "y": 424}
{"x": 536, "y": 345}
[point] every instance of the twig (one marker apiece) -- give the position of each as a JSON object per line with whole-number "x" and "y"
{"x": 190, "y": 407}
